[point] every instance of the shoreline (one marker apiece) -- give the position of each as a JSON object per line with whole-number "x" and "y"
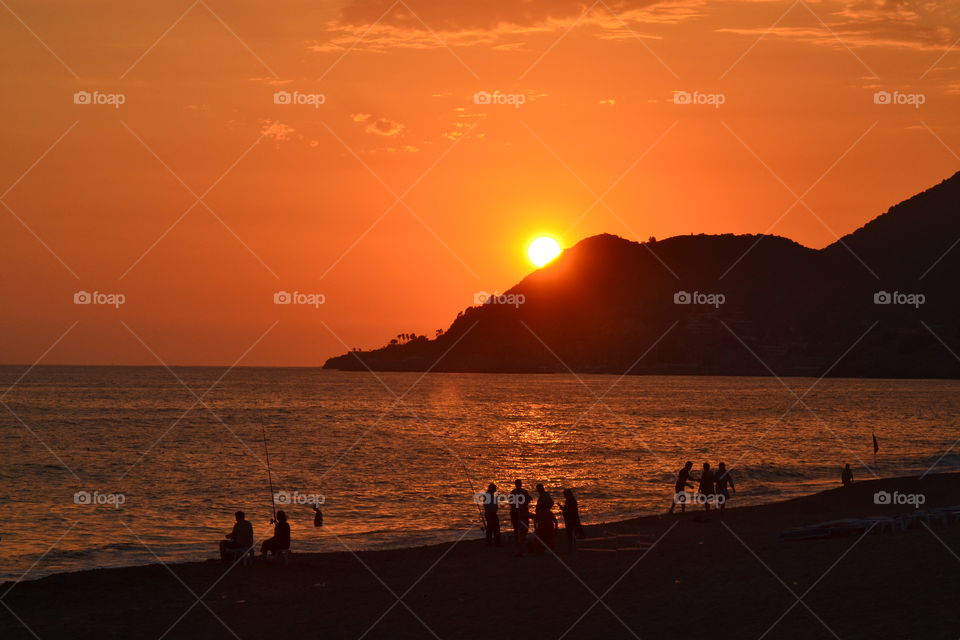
{"x": 559, "y": 372}
{"x": 737, "y": 561}
{"x": 388, "y": 546}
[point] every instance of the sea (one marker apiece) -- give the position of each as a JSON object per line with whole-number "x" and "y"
{"x": 122, "y": 466}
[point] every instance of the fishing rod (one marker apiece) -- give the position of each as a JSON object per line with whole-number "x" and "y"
{"x": 273, "y": 502}
{"x": 470, "y": 483}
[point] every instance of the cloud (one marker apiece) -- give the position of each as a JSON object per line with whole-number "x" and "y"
{"x": 912, "y": 24}
{"x": 385, "y": 127}
{"x": 277, "y": 131}
{"x": 270, "y": 81}
{"x": 378, "y": 126}
{"x": 380, "y": 25}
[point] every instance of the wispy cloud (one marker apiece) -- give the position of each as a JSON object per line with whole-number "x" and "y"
{"x": 911, "y": 24}
{"x": 277, "y": 131}
{"x": 502, "y": 24}
{"x": 378, "y": 126}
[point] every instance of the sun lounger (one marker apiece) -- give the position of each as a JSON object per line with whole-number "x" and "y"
{"x": 874, "y": 524}
{"x": 805, "y": 533}
{"x": 884, "y": 524}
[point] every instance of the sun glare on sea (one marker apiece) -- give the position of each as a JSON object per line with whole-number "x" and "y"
{"x": 543, "y": 250}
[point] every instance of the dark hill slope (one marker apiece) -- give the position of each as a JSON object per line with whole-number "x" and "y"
{"x": 607, "y": 305}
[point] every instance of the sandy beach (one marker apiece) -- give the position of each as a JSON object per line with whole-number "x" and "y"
{"x": 702, "y": 578}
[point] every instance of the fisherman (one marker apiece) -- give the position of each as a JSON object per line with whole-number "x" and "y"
{"x": 724, "y": 485}
{"x": 317, "y": 516}
{"x": 281, "y": 535}
{"x": 679, "y": 489}
{"x": 546, "y": 522}
{"x": 490, "y": 517}
{"x": 571, "y": 519}
{"x": 240, "y": 539}
{"x": 520, "y": 516}
{"x": 708, "y": 487}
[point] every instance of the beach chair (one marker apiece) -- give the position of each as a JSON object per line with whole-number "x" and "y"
{"x": 245, "y": 555}
{"x": 282, "y": 556}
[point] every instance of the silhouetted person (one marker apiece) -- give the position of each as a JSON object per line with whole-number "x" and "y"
{"x": 707, "y": 486}
{"x": 546, "y": 522}
{"x": 724, "y": 485}
{"x": 281, "y": 536}
{"x": 239, "y": 539}
{"x": 679, "y": 489}
{"x": 846, "y": 476}
{"x": 571, "y": 519}
{"x": 520, "y": 516}
{"x": 491, "y": 519}
{"x": 317, "y": 516}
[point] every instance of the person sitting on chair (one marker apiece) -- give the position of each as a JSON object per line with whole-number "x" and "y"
{"x": 240, "y": 539}
{"x": 281, "y": 536}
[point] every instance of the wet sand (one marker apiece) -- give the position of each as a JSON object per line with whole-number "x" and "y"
{"x": 704, "y": 578}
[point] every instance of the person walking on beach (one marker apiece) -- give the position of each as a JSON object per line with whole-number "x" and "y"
{"x": 707, "y": 486}
{"x": 679, "y": 489}
{"x": 571, "y": 519}
{"x": 281, "y": 536}
{"x": 724, "y": 486}
{"x": 491, "y": 519}
{"x": 846, "y": 476}
{"x": 239, "y": 539}
{"x": 520, "y": 516}
{"x": 546, "y": 522}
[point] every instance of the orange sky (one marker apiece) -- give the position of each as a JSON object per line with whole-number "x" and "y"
{"x": 303, "y": 197}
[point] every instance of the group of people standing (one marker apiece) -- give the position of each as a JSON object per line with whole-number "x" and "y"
{"x": 544, "y": 519}
{"x": 713, "y": 488}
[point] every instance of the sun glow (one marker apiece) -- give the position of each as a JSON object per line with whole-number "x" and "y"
{"x": 543, "y": 250}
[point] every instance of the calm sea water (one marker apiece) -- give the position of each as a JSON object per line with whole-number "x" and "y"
{"x": 400, "y": 472}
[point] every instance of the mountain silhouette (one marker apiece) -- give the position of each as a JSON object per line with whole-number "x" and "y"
{"x": 882, "y": 301}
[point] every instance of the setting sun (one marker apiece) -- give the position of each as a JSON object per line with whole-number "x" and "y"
{"x": 543, "y": 250}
